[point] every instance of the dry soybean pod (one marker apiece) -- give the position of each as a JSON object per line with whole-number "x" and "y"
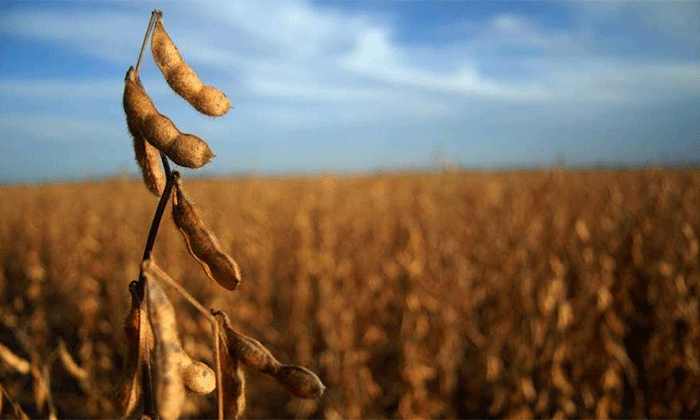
{"x": 147, "y": 156}
{"x": 248, "y": 350}
{"x": 201, "y": 243}
{"x": 182, "y": 79}
{"x": 144, "y": 120}
{"x": 300, "y": 381}
{"x": 296, "y": 379}
{"x": 196, "y": 376}
{"x": 148, "y": 159}
{"x": 169, "y": 389}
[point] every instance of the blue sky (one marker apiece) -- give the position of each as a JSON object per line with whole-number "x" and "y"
{"x": 357, "y": 86}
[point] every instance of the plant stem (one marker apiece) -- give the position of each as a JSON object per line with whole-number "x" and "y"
{"x": 155, "y": 224}
{"x": 170, "y": 176}
{"x": 149, "y": 398}
{"x": 154, "y": 13}
{"x": 219, "y": 378}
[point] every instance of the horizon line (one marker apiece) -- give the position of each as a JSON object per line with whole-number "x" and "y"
{"x": 417, "y": 169}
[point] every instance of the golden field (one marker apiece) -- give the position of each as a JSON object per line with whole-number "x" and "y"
{"x": 445, "y": 295}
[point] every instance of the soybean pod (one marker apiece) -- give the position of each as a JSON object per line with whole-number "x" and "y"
{"x": 182, "y": 79}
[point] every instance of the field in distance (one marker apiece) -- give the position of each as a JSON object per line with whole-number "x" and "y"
{"x": 455, "y": 294}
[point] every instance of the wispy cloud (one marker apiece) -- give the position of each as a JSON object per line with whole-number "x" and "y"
{"x": 377, "y": 57}
{"x": 108, "y": 35}
{"x": 61, "y": 89}
{"x": 57, "y": 128}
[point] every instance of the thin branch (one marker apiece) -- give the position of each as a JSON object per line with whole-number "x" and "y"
{"x": 219, "y": 375}
{"x": 165, "y": 278}
{"x": 151, "y": 23}
{"x": 150, "y": 241}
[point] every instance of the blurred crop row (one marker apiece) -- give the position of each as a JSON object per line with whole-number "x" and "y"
{"x": 547, "y": 294}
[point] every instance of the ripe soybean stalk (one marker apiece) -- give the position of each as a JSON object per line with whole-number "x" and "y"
{"x": 148, "y": 395}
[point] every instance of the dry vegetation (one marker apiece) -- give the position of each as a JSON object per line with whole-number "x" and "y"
{"x": 549, "y": 294}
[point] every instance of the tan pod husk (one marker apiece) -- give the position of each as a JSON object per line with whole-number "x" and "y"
{"x": 144, "y": 120}
{"x": 201, "y": 243}
{"x": 182, "y": 79}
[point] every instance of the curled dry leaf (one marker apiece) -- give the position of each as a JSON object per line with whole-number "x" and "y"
{"x": 182, "y": 79}
{"x": 201, "y": 243}
{"x": 144, "y": 120}
{"x": 296, "y": 379}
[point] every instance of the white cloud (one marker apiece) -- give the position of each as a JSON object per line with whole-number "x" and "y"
{"x": 621, "y": 82}
{"x": 310, "y": 91}
{"x": 376, "y": 56}
{"x": 290, "y": 29}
